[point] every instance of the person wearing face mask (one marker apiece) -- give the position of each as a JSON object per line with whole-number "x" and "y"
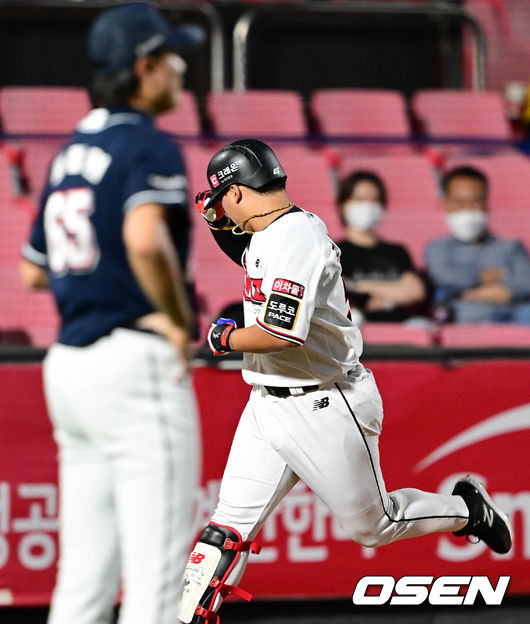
{"x": 380, "y": 279}
{"x": 478, "y": 276}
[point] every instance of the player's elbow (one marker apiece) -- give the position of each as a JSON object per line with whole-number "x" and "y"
{"x": 279, "y": 344}
{"x": 143, "y": 249}
{"x": 286, "y": 344}
{"x": 144, "y": 232}
{"x": 413, "y": 288}
{"x": 32, "y": 276}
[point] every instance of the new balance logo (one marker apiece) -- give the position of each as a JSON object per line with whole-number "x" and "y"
{"x": 320, "y": 403}
{"x": 196, "y": 557}
{"x": 488, "y": 516}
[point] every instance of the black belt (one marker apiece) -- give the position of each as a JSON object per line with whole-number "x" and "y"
{"x": 282, "y": 392}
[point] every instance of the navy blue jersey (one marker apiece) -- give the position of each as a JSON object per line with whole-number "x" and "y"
{"x": 115, "y": 161}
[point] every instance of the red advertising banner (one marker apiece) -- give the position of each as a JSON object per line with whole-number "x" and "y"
{"x": 440, "y": 422}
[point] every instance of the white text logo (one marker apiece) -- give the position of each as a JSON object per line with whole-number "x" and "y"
{"x": 415, "y": 590}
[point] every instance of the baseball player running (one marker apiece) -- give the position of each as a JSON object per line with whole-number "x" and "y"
{"x": 111, "y": 241}
{"x": 314, "y": 411}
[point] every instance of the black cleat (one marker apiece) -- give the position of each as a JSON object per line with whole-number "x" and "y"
{"x": 486, "y": 520}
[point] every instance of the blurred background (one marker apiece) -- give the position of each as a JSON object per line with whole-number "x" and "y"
{"x": 407, "y": 90}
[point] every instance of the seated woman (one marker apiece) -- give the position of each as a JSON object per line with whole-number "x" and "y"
{"x": 380, "y": 279}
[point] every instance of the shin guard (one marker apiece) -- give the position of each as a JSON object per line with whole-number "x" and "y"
{"x": 209, "y": 565}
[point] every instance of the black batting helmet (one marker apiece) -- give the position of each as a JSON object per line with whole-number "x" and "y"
{"x": 248, "y": 162}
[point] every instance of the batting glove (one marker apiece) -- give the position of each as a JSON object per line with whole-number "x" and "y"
{"x": 219, "y": 336}
{"x": 213, "y": 213}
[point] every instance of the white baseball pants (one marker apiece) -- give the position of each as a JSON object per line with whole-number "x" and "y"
{"x": 329, "y": 439}
{"x": 128, "y": 442}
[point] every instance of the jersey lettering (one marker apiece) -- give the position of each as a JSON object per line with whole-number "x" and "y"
{"x": 90, "y": 162}
{"x": 253, "y": 290}
{"x": 70, "y": 236}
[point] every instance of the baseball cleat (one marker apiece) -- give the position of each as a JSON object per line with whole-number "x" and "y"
{"x": 486, "y": 521}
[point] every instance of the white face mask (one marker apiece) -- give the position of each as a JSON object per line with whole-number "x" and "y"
{"x": 363, "y": 215}
{"x": 467, "y": 225}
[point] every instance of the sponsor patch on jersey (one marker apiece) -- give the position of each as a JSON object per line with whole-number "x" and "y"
{"x": 289, "y": 288}
{"x": 281, "y": 311}
{"x": 214, "y": 180}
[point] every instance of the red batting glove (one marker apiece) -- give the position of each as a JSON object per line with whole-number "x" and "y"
{"x": 214, "y": 214}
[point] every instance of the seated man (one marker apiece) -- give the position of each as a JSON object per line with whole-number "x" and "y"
{"x": 476, "y": 275}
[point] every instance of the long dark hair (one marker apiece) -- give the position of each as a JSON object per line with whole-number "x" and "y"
{"x": 115, "y": 90}
{"x": 347, "y": 185}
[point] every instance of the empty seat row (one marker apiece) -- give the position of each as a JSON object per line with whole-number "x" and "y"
{"x": 462, "y": 335}
{"x": 379, "y": 115}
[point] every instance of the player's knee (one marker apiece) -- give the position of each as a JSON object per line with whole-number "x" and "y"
{"x": 367, "y": 530}
{"x": 367, "y": 538}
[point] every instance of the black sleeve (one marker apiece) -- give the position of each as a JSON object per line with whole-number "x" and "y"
{"x": 233, "y": 246}
{"x": 403, "y": 258}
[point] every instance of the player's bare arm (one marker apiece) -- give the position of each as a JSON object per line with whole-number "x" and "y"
{"x": 253, "y": 339}
{"x": 155, "y": 264}
{"x": 32, "y": 275}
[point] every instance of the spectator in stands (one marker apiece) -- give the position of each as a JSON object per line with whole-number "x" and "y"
{"x": 476, "y": 275}
{"x": 380, "y": 279}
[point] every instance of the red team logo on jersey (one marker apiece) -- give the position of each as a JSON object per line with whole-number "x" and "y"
{"x": 253, "y": 289}
{"x": 214, "y": 180}
{"x": 289, "y": 288}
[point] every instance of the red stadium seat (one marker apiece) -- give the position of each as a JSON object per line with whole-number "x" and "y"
{"x": 396, "y": 334}
{"x": 185, "y": 120}
{"x": 413, "y": 217}
{"x": 485, "y": 335}
{"x": 505, "y": 26}
{"x": 38, "y": 155}
{"x": 508, "y": 176}
{"x": 14, "y": 221}
{"x": 259, "y": 113}
{"x": 461, "y": 114}
{"x": 362, "y": 112}
{"x": 412, "y": 230}
{"x": 19, "y": 309}
{"x": 46, "y": 110}
{"x": 218, "y": 280}
{"x": 27, "y": 310}
{"x": 310, "y": 184}
{"x": 410, "y": 180}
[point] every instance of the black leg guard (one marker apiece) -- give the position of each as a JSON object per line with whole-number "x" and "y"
{"x": 209, "y": 565}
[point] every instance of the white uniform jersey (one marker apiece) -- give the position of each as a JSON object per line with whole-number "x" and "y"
{"x": 294, "y": 290}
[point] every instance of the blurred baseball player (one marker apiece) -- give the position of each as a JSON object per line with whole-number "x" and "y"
{"x": 111, "y": 241}
{"x": 314, "y": 411}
